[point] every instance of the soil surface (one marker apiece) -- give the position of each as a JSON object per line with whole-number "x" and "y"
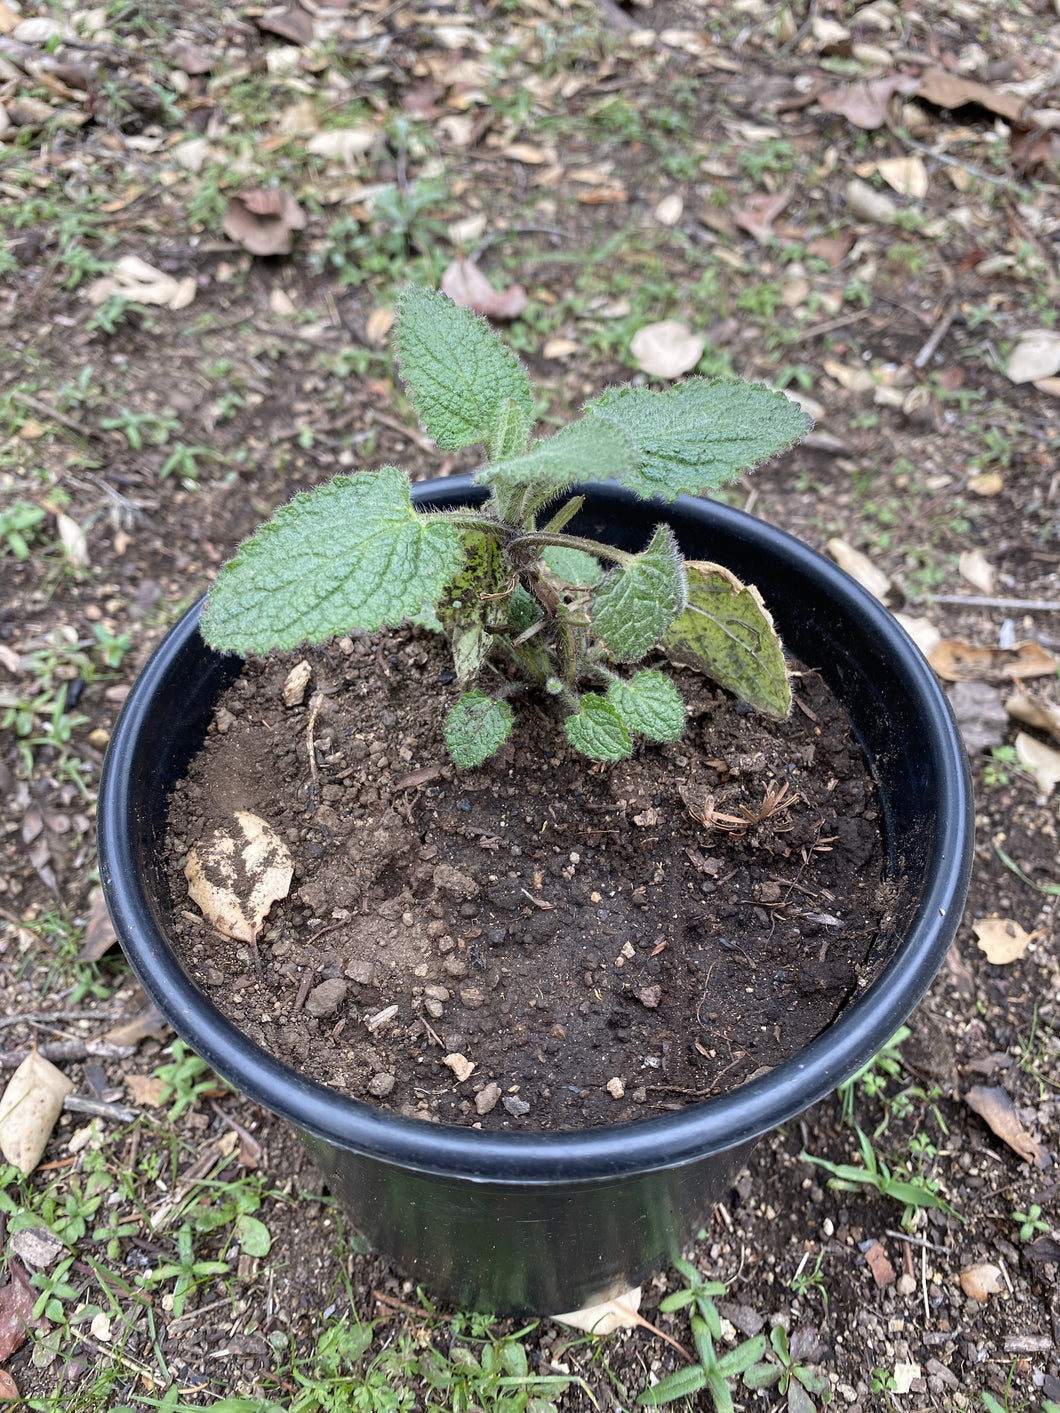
{"x": 576, "y": 936}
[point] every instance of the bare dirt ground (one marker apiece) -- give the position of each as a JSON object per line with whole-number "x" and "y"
{"x": 857, "y": 203}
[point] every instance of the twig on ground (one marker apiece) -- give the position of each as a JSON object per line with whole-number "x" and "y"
{"x": 938, "y": 333}
{"x": 98, "y": 1108}
{"x": 985, "y": 601}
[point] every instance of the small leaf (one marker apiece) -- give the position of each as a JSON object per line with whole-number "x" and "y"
{"x": 597, "y": 731}
{"x": 636, "y": 603}
{"x": 727, "y": 634}
{"x": 476, "y": 728}
{"x": 649, "y": 703}
{"x": 29, "y": 1109}
{"x": 237, "y": 874}
{"x": 458, "y": 373}
{"x": 252, "y": 1235}
{"x": 699, "y": 434}
{"x": 762, "y": 1375}
{"x": 681, "y": 1384}
{"x": 351, "y": 554}
{"x": 583, "y": 451}
{"x": 473, "y": 602}
{"x": 573, "y": 566}
{"x": 743, "y": 1356}
{"x": 799, "y": 1401}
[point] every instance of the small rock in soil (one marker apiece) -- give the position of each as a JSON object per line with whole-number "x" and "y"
{"x": 325, "y": 999}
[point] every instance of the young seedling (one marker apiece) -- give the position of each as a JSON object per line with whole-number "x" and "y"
{"x": 525, "y": 604}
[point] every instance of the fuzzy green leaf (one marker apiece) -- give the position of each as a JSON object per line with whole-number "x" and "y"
{"x": 510, "y": 433}
{"x": 523, "y": 611}
{"x": 681, "y": 1384}
{"x": 586, "y": 450}
{"x": 472, "y": 603}
{"x": 252, "y": 1235}
{"x": 459, "y": 375}
{"x": 597, "y": 730}
{"x": 573, "y": 566}
{"x": 649, "y": 703}
{"x": 762, "y": 1375}
{"x": 726, "y": 633}
{"x": 743, "y": 1356}
{"x": 699, "y": 434}
{"x": 476, "y": 728}
{"x": 637, "y": 602}
{"x": 352, "y": 554}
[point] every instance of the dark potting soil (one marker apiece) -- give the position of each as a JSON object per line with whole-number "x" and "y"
{"x": 545, "y": 942}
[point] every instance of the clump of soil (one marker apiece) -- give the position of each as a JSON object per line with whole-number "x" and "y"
{"x": 546, "y": 942}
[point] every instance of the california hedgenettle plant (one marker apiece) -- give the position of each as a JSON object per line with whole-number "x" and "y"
{"x": 524, "y": 604}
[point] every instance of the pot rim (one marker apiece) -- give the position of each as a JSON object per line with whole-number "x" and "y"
{"x": 712, "y": 1125}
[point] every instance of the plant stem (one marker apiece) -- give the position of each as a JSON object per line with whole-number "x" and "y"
{"x": 593, "y": 547}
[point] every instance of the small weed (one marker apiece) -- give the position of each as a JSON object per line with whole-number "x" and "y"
{"x": 1030, "y": 1222}
{"x": 805, "y": 1283}
{"x": 112, "y": 313}
{"x": 996, "y": 769}
{"x": 20, "y": 527}
{"x": 872, "y": 1078}
{"x": 187, "y": 1272}
{"x": 185, "y": 1077}
{"x": 142, "y": 428}
{"x": 792, "y": 1376}
{"x": 184, "y": 461}
{"x": 1039, "y": 1055}
{"x": 912, "y": 1193}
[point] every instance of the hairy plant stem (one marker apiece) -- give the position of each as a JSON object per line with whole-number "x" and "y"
{"x": 544, "y": 539}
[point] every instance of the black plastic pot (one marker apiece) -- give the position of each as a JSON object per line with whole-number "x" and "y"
{"x": 525, "y": 1222}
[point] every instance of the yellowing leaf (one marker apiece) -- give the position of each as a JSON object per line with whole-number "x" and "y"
{"x": 1002, "y": 940}
{"x": 32, "y": 1102}
{"x": 1041, "y": 760}
{"x": 237, "y": 874}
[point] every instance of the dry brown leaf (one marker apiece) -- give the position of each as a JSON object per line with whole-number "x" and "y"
{"x": 613, "y": 195}
{"x": 833, "y": 249}
{"x": 1035, "y": 356}
{"x": 906, "y": 175}
{"x": 1003, "y": 941}
{"x": 527, "y": 152}
{"x": 8, "y": 1388}
{"x": 263, "y": 220}
{"x": 667, "y": 349}
{"x": 868, "y": 204}
{"x": 974, "y": 566}
{"x": 947, "y": 90}
{"x": 995, "y": 1106}
{"x": 957, "y": 661}
{"x": 981, "y": 1281}
{"x": 880, "y": 1265}
{"x": 1041, "y": 760}
{"x": 17, "y": 1299}
{"x": 348, "y": 145}
{"x": 237, "y": 874}
{"x": 31, "y": 1104}
{"x": 148, "y": 1023}
{"x": 922, "y": 631}
{"x": 757, "y": 215}
{"x": 100, "y": 936}
{"x": 866, "y": 102}
{"x": 1034, "y": 712}
{"x": 146, "y": 1089}
{"x": 860, "y": 567}
{"x": 134, "y": 279}
{"x": 294, "y": 24}
{"x": 295, "y": 683}
{"x": 466, "y": 285}
{"x": 608, "y": 1316}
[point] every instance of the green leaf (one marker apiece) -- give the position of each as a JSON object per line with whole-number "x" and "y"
{"x": 812, "y": 1381}
{"x": 699, "y": 434}
{"x": 726, "y": 633}
{"x": 252, "y": 1235}
{"x": 573, "y": 566}
{"x": 458, "y": 373}
{"x": 649, "y": 703}
{"x": 681, "y": 1384}
{"x": 352, "y": 554}
{"x": 799, "y": 1401}
{"x": 762, "y": 1375}
{"x": 474, "y": 601}
{"x": 676, "y": 1301}
{"x": 720, "y": 1392}
{"x": 582, "y": 451}
{"x": 743, "y": 1356}
{"x": 637, "y": 602}
{"x": 476, "y": 728}
{"x": 523, "y": 610}
{"x": 597, "y": 731}
{"x": 703, "y": 1337}
{"x": 511, "y": 432}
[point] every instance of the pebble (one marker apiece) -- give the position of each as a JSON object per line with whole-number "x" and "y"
{"x": 472, "y": 997}
{"x": 516, "y": 1107}
{"x": 325, "y": 999}
{"x": 455, "y": 966}
{"x": 906, "y": 1284}
{"x": 486, "y": 1099}
{"x": 381, "y": 1084}
{"x": 616, "y": 1088}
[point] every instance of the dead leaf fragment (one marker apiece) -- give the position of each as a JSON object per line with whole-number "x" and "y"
{"x": 466, "y": 285}
{"x": 980, "y": 715}
{"x": 348, "y": 145}
{"x": 237, "y": 874}
{"x": 880, "y": 1265}
{"x": 608, "y": 1316}
{"x": 263, "y": 220}
{"x": 378, "y": 325}
{"x": 1033, "y": 712}
{"x": 17, "y": 1299}
{"x": 8, "y": 1388}
{"x": 148, "y": 1023}
{"x": 994, "y": 1105}
{"x": 294, "y": 24}
{"x": 866, "y": 102}
{"x": 667, "y": 349}
{"x": 1001, "y": 939}
{"x": 860, "y": 567}
{"x": 1041, "y": 760}
{"x": 981, "y": 1281}
{"x": 31, "y": 1104}
{"x": 906, "y": 175}
{"x": 134, "y": 279}
{"x": 869, "y": 204}
{"x": 974, "y": 566}
{"x": 957, "y": 661}
{"x": 948, "y": 90}
{"x": 757, "y": 215}
{"x": 146, "y": 1089}
{"x": 1035, "y": 356}
{"x": 100, "y": 936}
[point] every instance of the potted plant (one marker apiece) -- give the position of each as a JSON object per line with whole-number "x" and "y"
{"x": 525, "y": 1222}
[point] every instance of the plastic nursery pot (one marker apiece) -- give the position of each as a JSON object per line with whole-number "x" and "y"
{"x": 546, "y": 1222}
